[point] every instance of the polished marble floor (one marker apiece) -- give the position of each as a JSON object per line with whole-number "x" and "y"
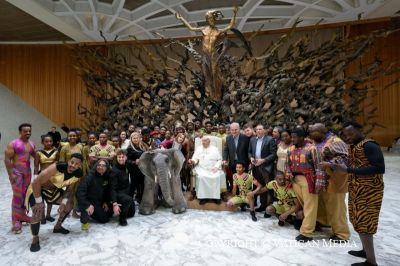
{"x": 195, "y": 238}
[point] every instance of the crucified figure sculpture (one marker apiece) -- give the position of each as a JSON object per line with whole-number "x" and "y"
{"x": 211, "y": 34}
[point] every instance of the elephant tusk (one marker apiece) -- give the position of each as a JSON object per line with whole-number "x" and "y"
{"x": 169, "y": 174}
{"x": 155, "y": 178}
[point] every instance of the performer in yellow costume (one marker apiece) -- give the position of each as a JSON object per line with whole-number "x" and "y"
{"x": 50, "y": 185}
{"x": 71, "y": 147}
{"x": 43, "y": 159}
{"x": 242, "y": 181}
{"x": 287, "y": 205}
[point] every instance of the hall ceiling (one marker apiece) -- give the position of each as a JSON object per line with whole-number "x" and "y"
{"x": 85, "y": 20}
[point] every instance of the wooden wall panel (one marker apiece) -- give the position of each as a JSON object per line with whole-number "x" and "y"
{"x": 44, "y": 76}
{"x": 387, "y": 101}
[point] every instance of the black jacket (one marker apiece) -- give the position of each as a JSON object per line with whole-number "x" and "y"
{"x": 268, "y": 152}
{"x": 93, "y": 190}
{"x": 119, "y": 181}
{"x": 56, "y": 137}
{"x": 242, "y": 149}
{"x": 134, "y": 170}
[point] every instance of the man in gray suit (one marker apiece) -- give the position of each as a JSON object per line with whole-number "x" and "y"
{"x": 262, "y": 154}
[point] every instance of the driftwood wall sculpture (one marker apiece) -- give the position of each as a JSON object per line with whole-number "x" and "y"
{"x": 164, "y": 85}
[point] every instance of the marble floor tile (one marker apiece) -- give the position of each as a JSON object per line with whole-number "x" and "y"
{"x": 195, "y": 238}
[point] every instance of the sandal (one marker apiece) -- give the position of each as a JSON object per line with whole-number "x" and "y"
{"x": 17, "y": 228}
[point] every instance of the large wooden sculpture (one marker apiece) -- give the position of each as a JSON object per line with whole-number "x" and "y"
{"x": 299, "y": 86}
{"x": 211, "y": 58}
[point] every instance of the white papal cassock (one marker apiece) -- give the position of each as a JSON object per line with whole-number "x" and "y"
{"x": 209, "y": 183}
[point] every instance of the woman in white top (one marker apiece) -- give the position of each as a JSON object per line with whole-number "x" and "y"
{"x": 124, "y": 140}
{"x": 178, "y": 141}
{"x": 282, "y": 152}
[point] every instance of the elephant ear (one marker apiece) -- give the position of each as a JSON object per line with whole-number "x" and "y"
{"x": 146, "y": 163}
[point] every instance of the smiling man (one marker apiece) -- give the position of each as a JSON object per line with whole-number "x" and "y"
{"x": 17, "y": 161}
{"x": 123, "y": 204}
{"x": 55, "y": 186}
{"x": 93, "y": 195}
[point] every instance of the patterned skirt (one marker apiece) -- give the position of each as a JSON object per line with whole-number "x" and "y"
{"x": 365, "y": 201}
{"x": 51, "y": 196}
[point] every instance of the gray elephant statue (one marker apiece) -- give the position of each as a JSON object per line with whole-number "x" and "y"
{"x": 161, "y": 168}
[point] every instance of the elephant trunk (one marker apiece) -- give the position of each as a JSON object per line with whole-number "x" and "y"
{"x": 164, "y": 180}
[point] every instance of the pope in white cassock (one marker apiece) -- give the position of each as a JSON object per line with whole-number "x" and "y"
{"x": 210, "y": 179}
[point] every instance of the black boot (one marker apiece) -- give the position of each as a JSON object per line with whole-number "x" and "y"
{"x": 35, "y": 246}
{"x": 253, "y": 216}
{"x": 303, "y": 238}
{"x": 122, "y": 218}
{"x": 50, "y": 219}
{"x": 365, "y": 263}
{"x": 60, "y": 230}
{"x": 297, "y": 224}
{"x": 131, "y": 211}
{"x": 123, "y": 222}
{"x": 202, "y": 201}
{"x": 358, "y": 253}
{"x": 318, "y": 227}
{"x": 336, "y": 239}
{"x": 260, "y": 209}
{"x": 266, "y": 215}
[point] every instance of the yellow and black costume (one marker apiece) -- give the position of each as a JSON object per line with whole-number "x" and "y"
{"x": 47, "y": 157}
{"x": 60, "y": 180}
{"x": 52, "y": 191}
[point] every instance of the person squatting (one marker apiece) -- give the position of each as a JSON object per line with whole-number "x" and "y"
{"x": 300, "y": 176}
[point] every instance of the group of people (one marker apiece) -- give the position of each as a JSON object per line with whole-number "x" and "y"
{"x": 301, "y": 178}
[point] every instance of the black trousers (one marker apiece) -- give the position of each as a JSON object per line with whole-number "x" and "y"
{"x": 127, "y": 205}
{"x": 99, "y": 215}
{"x": 137, "y": 184}
{"x": 263, "y": 177}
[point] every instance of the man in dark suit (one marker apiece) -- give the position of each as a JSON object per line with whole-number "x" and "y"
{"x": 262, "y": 154}
{"x": 56, "y": 136}
{"x": 236, "y": 148}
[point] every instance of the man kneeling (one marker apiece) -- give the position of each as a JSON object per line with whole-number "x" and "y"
{"x": 244, "y": 182}
{"x": 50, "y": 185}
{"x": 123, "y": 204}
{"x": 93, "y": 195}
{"x": 287, "y": 203}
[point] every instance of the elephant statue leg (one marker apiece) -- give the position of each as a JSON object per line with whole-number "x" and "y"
{"x": 180, "y": 204}
{"x": 147, "y": 204}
